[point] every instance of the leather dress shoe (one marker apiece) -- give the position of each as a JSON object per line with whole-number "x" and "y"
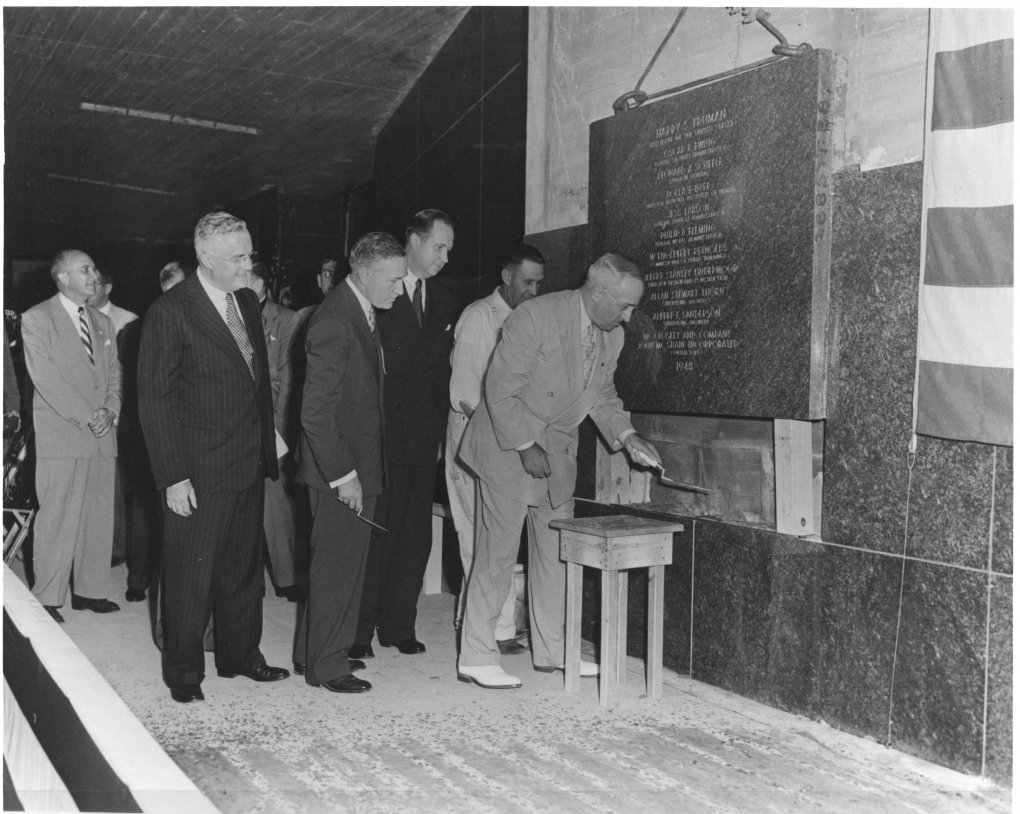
{"x": 588, "y": 669}
{"x": 409, "y": 647}
{"x": 360, "y": 651}
{"x": 356, "y": 664}
{"x": 135, "y": 594}
{"x": 292, "y": 593}
{"x": 263, "y": 673}
{"x": 95, "y": 605}
{"x": 491, "y": 677}
{"x": 348, "y": 683}
{"x": 52, "y": 611}
{"x": 186, "y": 693}
{"x": 511, "y": 647}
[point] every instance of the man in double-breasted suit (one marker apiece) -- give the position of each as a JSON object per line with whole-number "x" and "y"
{"x": 341, "y": 456}
{"x": 417, "y": 335}
{"x": 207, "y": 414}
{"x": 553, "y": 366}
{"x": 71, "y": 356}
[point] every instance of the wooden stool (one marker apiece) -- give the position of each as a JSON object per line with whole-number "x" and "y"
{"x": 615, "y": 544}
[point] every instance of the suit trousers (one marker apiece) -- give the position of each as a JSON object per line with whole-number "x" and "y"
{"x": 212, "y": 563}
{"x": 74, "y": 527}
{"x": 279, "y": 529}
{"x": 462, "y": 489}
{"x": 492, "y": 576}
{"x": 340, "y": 542}
{"x": 397, "y": 559}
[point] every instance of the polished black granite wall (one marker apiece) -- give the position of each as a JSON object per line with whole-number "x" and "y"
{"x": 456, "y": 143}
{"x": 897, "y": 623}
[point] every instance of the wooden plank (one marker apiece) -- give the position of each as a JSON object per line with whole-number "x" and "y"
{"x": 610, "y": 637}
{"x": 616, "y": 482}
{"x": 795, "y": 490}
{"x": 622, "y": 579}
{"x": 572, "y": 641}
{"x": 653, "y": 666}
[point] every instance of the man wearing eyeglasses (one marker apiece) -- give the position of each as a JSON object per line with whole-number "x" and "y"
{"x": 207, "y": 414}
{"x": 552, "y": 368}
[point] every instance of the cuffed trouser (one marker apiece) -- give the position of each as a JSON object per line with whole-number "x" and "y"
{"x": 492, "y": 577}
{"x": 462, "y": 487}
{"x": 74, "y": 527}
{"x": 212, "y": 563}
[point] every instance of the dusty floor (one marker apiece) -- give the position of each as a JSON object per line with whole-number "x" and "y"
{"x": 422, "y": 742}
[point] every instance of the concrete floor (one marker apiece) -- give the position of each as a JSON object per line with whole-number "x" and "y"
{"x": 420, "y": 741}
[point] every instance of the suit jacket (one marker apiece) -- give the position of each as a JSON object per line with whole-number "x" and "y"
{"x": 417, "y": 374}
{"x": 534, "y": 391}
{"x": 203, "y": 416}
{"x": 279, "y": 324}
{"x": 68, "y": 388}
{"x": 341, "y": 406}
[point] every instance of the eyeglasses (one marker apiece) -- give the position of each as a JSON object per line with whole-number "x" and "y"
{"x": 237, "y": 259}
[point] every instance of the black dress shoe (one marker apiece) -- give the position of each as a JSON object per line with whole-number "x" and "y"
{"x": 186, "y": 693}
{"x": 135, "y": 594}
{"x": 95, "y": 605}
{"x": 409, "y": 647}
{"x": 292, "y": 593}
{"x": 263, "y": 673}
{"x": 347, "y": 683}
{"x": 360, "y": 651}
{"x": 356, "y": 664}
{"x": 511, "y": 647}
{"x": 52, "y": 611}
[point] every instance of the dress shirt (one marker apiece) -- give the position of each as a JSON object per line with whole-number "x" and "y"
{"x": 119, "y": 316}
{"x": 474, "y": 339}
{"x": 218, "y": 297}
{"x": 409, "y": 280}
{"x": 72, "y": 312}
{"x": 366, "y": 308}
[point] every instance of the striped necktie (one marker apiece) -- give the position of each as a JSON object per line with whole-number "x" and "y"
{"x": 85, "y": 333}
{"x": 240, "y": 334}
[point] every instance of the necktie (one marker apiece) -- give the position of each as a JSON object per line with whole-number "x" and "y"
{"x": 240, "y": 334}
{"x": 588, "y": 347}
{"x": 371, "y": 320}
{"x": 86, "y": 334}
{"x": 416, "y": 302}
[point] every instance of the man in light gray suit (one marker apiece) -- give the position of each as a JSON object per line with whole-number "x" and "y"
{"x": 553, "y": 366}
{"x": 71, "y": 355}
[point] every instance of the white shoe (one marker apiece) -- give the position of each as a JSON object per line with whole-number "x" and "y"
{"x": 588, "y": 669}
{"x": 489, "y": 677}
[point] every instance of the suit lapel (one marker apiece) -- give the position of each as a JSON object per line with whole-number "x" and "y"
{"x": 208, "y": 321}
{"x": 354, "y": 314}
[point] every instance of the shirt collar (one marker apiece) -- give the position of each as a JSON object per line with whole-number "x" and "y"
{"x": 70, "y": 307}
{"x": 215, "y": 294}
{"x": 366, "y": 306}
{"x": 585, "y": 319}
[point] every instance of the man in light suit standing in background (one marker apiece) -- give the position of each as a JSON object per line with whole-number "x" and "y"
{"x": 207, "y": 412}
{"x": 341, "y": 456}
{"x": 71, "y": 356}
{"x": 552, "y": 368}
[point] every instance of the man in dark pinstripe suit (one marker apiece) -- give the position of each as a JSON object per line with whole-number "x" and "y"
{"x": 207, "y": 414}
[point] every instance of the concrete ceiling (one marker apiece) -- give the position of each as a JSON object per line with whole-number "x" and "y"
{"x": 315, "y": 84}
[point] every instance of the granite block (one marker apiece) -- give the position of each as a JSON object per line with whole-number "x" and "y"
{"x": 875, "y": 265}
{"x": 1002, "y": 531}
{"x": 938, "y": 688}
{"x": 857, "y": 638}
{"x": 999, "y": 726}
{"x": 566, "y": 256}
{"x": 951, "y": 497}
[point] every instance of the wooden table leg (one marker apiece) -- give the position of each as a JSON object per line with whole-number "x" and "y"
{"x": 656, "y": 579}
{"x": 610, "y": 637}
{"x": 622, "y": 579}
{"x": 572, "y": 640}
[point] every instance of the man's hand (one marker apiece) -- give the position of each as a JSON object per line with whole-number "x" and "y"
{"x": 181, "y": 498}
{"x": 535, "y": 461}
{"x": 102, "y": 420}
{"x": 349, "y": 493}
{"x": 641, "y": 451}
